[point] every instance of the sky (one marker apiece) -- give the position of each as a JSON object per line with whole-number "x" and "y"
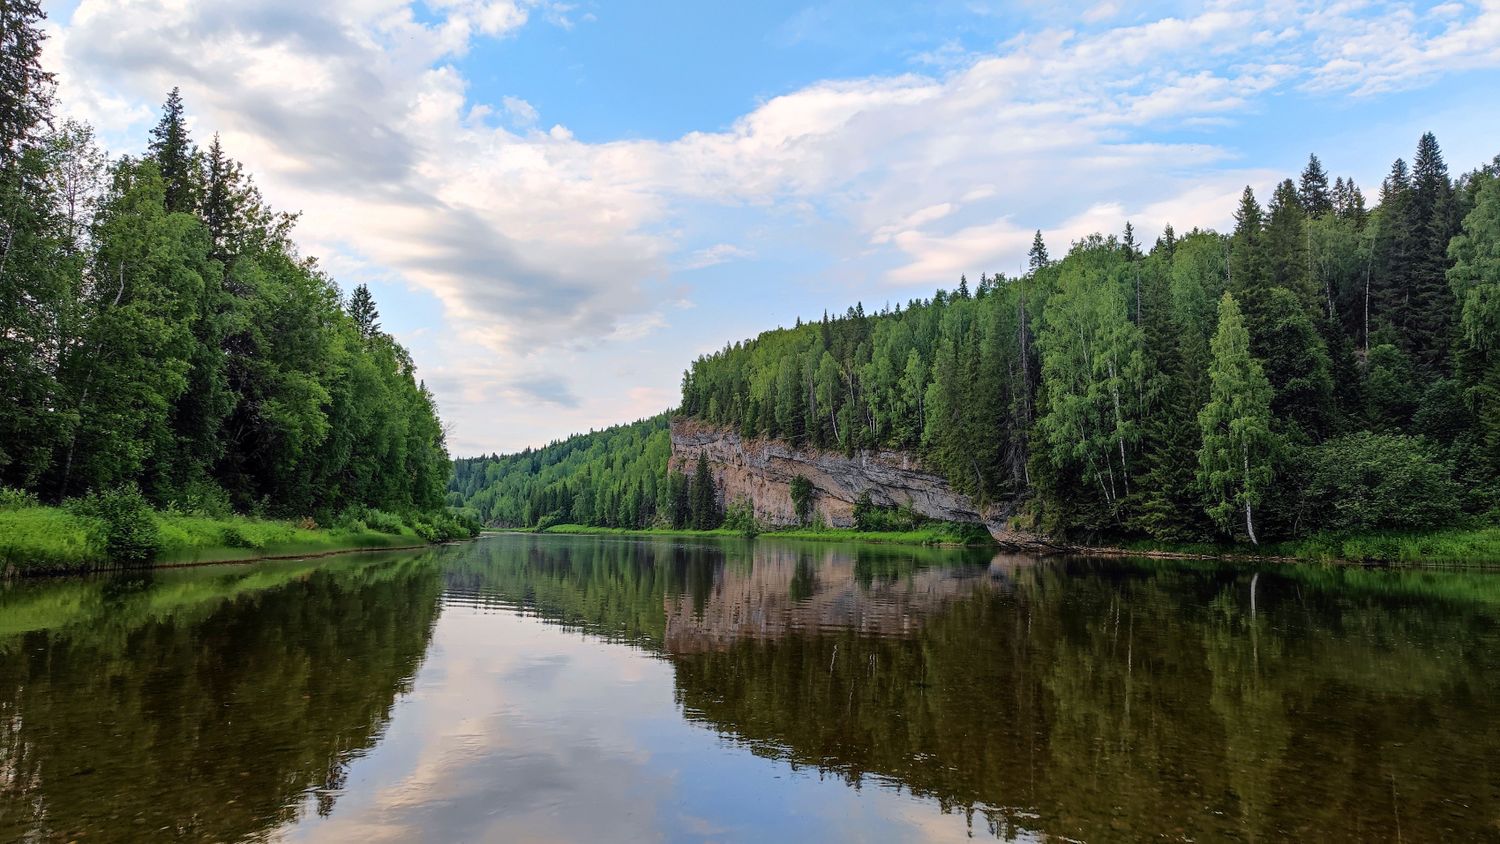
{"x": 559, "y": 205}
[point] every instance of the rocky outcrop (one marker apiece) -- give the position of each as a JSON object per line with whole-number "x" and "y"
{"x": 760, "y": 471}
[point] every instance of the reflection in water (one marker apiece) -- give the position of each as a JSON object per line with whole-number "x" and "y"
{"x": 962, "y": 694}
{"x": 200, "y": 706}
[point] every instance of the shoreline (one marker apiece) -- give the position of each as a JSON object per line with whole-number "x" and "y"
{"x": 12, "y": 571}
{"x": 1317, "y": 550}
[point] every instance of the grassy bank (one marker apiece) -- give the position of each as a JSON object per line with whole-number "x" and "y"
{"x": 932, "y": 534}
{"x": 1465, "y": 545}
{"x": 36, "y": 539}
{"x": 1474, "y": 546}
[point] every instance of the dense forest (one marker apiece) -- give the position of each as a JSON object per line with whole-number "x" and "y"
{"x": 612, "y": 478}
{"x": 159, "y": 329}
{"x": 1325, "y": 366}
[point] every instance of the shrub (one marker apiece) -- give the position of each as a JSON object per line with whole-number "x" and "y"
{"x": 130, "y": 531}
{"x": 202, "y": 498}
{"x": 233, "y": 537}
{"x": 1368, "y": 481}
{"x": 802, "y": 498}
{"x": 870, "y": 518}
{"x": 740, "y": 516}
{"x": 16, "y": 499}
{"x": 383, "y": 521}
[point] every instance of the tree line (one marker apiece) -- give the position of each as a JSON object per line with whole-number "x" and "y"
{"x": 618, "y": 477}
{"x": 159, "y": 328}
{"x": 1324, "y": 366}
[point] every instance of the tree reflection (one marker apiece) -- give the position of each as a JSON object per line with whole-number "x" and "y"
{"x": 203, "y": 717}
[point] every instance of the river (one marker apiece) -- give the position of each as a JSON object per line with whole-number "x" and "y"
{"x": 524, "y": 688}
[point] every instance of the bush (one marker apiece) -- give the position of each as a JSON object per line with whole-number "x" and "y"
{"x": 16, "y": 499}
{"x": 1369, "y": 481}
{"x": 130, "y": 532}
{"x": 740, "y": 516}
{"x": 233, "y": 537}
{"x": 202, "y": 498}
{"x": 802, "y": 498}
{"x": 383, "y": 521}
{"x": 869, "y": 518}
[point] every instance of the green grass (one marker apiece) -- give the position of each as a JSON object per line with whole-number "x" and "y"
{"x": 53, "y": 539}
{"x": 1455, "y": 545}
{"x": 933, "y": 534}
{"x": 1452, "y": 545}
{"x": 1447, "y": 545}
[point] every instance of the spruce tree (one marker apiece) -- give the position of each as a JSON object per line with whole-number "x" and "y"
{"x": 173, "y": 151}
{"x": 1433, "y": 224}
{"x": 1285, "y": 247}
{"x": 363, "y": 311}
{"x": 1247, "y": 256}
{"x": 1234, "y": 462}
{"x": 1312, "y": 190}
{"x": 25, "y": 88}
{"x": 1037, "y": 259}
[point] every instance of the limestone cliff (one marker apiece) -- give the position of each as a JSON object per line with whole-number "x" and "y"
{"x": 761, "y": 471}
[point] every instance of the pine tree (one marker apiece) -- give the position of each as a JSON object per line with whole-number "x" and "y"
{"x": 173, "y": 151}
{"x": 1234, "y": 462}
{"x": 1312, "y": 190}
{"x": 363, "y": 311}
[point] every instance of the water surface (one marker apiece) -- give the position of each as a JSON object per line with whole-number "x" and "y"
{"x": 554, "y": 688}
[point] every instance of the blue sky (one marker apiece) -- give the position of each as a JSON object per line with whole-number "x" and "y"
{"x": 559, "y": 205}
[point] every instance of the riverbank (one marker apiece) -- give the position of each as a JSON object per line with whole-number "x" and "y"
{"x": 57, "y": 540}
{"x": 945, "y": 534}
{"x": 1472, "y": 546}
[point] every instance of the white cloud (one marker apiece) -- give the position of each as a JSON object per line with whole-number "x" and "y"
{"x": 719, "y": 253}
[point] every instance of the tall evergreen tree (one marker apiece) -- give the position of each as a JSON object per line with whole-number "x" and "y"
{"x": 172, "y": 149}
{"x": 363, "y": 311}
{"x": 1312, "y": 190}
{"x": 25, "y": 88}
{"x": 1433, "y": 223}
{"x": 1248, "y": 267}
{"x": 1037, "y": 259}
{"x": 1234, "y": 462}
{"x": 1285, "y": 247}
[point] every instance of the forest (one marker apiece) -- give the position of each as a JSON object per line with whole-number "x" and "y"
{"x": 1327, "y": 366}
{"x": 160, "y": 332}
{"x": 616, "y": 477}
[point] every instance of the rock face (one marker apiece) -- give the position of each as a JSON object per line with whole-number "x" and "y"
{"x": 761, "y": 471}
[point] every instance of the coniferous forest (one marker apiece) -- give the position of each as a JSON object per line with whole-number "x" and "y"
{"x": 1330, "y": 365}
{"x": 159, "y": 329}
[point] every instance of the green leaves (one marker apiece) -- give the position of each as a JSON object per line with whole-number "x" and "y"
{"x": 1234, "y": 462}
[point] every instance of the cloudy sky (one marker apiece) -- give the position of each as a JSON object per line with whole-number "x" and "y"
{"x": 559, "y": 204}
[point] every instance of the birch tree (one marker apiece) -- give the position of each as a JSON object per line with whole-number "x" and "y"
{"x": 1234, "y": 462}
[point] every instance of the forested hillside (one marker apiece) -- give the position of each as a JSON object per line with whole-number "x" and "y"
{"x": 159, "y": 328}
{"x": 1325, "y": 366}
{"x": 611, "y": 478}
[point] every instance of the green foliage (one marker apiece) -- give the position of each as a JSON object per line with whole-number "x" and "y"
{"x": 802, "y": 498}
{"x": 130, "y": 535}
{"x": 617, "y": 477}
{"x": 1368, "y": 481}
{"x": 1234, "y": 462}
{"x": 161, "y": 330}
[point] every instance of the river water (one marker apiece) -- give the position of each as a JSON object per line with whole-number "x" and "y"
{"x": 524, "y": 688}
